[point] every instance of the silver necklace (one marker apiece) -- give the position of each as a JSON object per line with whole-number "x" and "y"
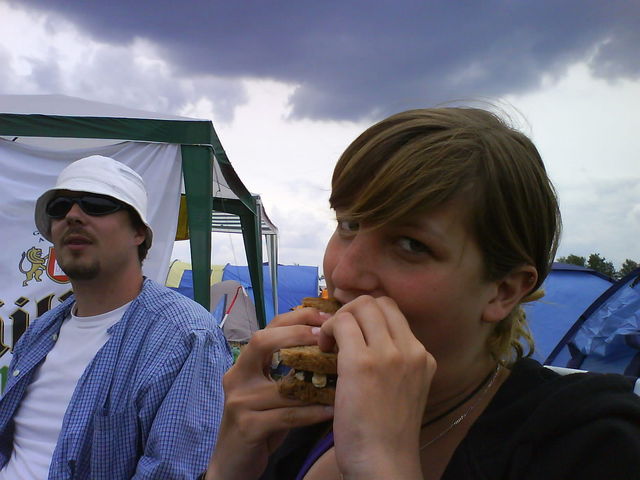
{"x": 459, "y": 420}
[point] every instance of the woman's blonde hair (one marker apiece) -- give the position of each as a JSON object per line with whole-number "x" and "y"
{"x": 417, "y": 160}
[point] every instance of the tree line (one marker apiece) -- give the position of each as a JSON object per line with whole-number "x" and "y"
{"x": 600, "y": 264}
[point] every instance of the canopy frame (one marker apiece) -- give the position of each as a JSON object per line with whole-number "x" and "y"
{"x": 200, "y": 148}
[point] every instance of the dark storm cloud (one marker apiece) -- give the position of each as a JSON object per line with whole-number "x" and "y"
{"x": 352, "y": 59}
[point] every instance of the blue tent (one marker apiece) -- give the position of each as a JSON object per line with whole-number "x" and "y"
{"x": 569, "y": 290}
{"x": 606, "y": 338}
{"x": 294, "y": 283}
{"x": 186, "y": 284}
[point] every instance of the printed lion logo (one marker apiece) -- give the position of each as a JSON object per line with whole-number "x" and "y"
{"x": 34, "y": 256}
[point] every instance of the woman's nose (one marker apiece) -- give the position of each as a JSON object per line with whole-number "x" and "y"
{"x": 354, "y": 268}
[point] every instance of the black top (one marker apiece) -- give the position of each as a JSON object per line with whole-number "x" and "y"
{"x": 539, "y": 426}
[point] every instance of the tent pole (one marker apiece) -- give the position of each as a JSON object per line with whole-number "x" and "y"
{"x": 272, "y": 246}
{"x": 197, "y": 167}
{"x": 253, "y": 246}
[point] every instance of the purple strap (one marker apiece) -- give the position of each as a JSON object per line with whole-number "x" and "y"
{"x": 321, "y": 447}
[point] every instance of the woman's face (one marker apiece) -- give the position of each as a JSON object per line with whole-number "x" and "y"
{"x": 430, "y": 265}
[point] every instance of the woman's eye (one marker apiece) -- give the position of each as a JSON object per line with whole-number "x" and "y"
{"x": 413, "y": 246}
{"x": 348, "y": 226}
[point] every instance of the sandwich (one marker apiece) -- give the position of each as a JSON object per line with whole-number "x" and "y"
{"x": 313, "y": 373}
{"x": 312, "y": 377}
{"x": 326, "y": 305}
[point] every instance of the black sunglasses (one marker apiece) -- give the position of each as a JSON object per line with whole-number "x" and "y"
{"x": 93, "y": 205}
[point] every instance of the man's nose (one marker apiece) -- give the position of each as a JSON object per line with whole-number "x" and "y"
{"x": 75, "y": 214}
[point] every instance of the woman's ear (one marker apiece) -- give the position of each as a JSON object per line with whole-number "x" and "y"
{"x": 509, "y": 292}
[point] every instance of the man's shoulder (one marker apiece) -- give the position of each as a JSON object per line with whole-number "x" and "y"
{"x": 164, "y": 304}
{"x": 56, "y": 313}
{"x": 44, "y": 323}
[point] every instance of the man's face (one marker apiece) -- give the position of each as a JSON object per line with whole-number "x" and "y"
{"x": 90, "y": 246}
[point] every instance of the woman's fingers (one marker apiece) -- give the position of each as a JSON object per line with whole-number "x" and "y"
{"x": 373, "y": 320}
{"x": 286, "y": 330}
{"x": 379, "y": 321}
{"x": 375, "y": 346}
{"x": 256, "y": 417}
{"x": 254, "y": 423}
{"x": 308, "y": 316}
{"x": 279, "y": 419}
{"x": 398, "y": 325}
{"x": 375, "y": 341}
{"x": 384, "y": 376}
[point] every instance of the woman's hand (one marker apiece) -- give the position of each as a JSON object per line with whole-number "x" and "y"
{"x": 256, "y": 418}
{"x": 384, "y": 375}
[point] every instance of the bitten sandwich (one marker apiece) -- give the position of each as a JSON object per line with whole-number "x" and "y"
{"x": 327, "y": 305}
{"x": 313, "y": 373}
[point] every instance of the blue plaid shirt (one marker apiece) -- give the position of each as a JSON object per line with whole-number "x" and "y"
{"x": 149, "y": 403}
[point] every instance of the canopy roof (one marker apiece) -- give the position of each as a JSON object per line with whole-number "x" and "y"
{"x": 228, "y": 223}
{"x": 210, "y": 181}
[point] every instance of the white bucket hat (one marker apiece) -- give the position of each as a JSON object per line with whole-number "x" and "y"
{"x": 101, "y": 175}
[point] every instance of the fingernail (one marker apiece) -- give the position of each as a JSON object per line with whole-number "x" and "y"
{"x": 324, "y": 315}
{"x": 315, "y": 330}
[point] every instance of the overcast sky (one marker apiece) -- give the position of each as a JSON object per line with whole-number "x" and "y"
{"x": 289, "y": 84}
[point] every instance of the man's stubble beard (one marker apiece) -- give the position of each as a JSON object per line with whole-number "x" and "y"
{"x": 80, "y": 271}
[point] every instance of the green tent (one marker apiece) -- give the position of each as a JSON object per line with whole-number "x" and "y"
{"x": 210, "y": 182}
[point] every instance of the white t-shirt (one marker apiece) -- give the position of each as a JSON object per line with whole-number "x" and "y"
{"x": 39, "y": 417}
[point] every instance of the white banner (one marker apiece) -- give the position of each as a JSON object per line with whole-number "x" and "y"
{"x": 31, "y": 281}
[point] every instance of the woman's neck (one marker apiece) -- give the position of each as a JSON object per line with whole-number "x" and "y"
{"x": 440, "y": 439}
{"x": 452, "y": 388}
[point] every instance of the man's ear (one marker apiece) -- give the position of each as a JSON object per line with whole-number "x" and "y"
{"x": 141, "y": 234}
{"x": 510, "y": 290}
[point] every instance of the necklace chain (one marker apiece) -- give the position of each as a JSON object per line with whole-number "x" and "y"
{"x": 471, "y": 407}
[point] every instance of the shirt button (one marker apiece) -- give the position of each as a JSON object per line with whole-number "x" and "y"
{"x": 16, "y": 372}
{"x": 54, "y": 337}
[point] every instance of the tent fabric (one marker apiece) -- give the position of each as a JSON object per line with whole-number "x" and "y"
{"x": 222, "y": 222}
{"x": 234, "y": 310}
{"x": 32, "y": 280}
{"x": 180, "y": 277}
{"x": 252, "y": 228}
{"x": 28, "y": 171}
{"x": 569, "y": 290}
{"x": 294, "y": 283}
{"x": 61, "y": 119}
{"x": 606, "y": 338}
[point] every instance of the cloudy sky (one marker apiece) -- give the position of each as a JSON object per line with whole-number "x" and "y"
{"x": 289, "y": 84}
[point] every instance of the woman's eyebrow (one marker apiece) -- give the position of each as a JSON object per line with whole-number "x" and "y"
{"x": 429, "y": 226}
